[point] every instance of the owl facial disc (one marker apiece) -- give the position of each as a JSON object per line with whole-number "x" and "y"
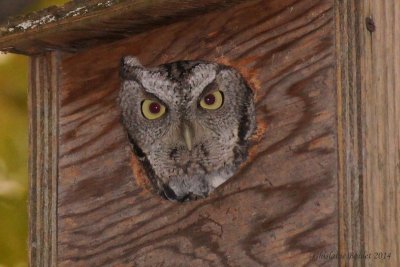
{"x": 188, "y": 123}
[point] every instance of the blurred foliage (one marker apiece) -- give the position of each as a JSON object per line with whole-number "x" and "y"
{"x": 14, "y": 154}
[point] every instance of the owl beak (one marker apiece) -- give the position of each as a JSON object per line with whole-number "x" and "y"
{"x": 187, "y": 134}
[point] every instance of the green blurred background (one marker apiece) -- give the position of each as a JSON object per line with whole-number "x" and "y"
{"x": 14, "y": 144}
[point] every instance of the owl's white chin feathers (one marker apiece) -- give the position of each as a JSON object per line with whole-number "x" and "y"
{"x": 197, "y": 186}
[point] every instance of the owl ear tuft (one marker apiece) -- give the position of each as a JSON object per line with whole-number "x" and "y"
{"x": 131, "y": 61}
{"x": 130, "y": 66}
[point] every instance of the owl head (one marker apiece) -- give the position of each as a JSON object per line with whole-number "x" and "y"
{"x": 188, "y": 122}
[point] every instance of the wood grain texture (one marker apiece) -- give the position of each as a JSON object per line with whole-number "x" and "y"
{"x": 43, "y": 160}
{"x": 280, "y": 210}
{"x": 85, "y": 23}
{"x": 350, "y": 139}
{"x": 380, "y": 83}
{"x": 368, "y": 56}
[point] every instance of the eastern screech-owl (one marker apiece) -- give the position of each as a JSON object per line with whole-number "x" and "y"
{"x": 188, "y": 122}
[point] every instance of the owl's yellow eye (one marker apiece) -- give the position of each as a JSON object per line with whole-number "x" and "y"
{"x": 212, "y": 100}
{"x": 152, "y": 109}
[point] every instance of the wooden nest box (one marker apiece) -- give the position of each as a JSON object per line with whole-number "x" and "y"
{"x": 322, "y": 180}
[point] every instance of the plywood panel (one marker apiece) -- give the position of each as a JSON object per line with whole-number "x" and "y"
{"x": 280, "y": 210}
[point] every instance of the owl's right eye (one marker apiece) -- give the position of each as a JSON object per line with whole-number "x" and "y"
{"x": 152, "y": 110}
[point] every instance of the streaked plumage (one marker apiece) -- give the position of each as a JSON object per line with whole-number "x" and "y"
{"x": 188, "y": 151}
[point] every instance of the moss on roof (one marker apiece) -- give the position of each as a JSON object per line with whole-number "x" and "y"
{"x": 54, "y": 14}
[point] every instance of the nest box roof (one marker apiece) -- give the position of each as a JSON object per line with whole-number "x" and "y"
{"x": 84, "y": 23}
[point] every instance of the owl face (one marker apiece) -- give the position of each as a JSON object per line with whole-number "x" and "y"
{"x": 188, "y": 122}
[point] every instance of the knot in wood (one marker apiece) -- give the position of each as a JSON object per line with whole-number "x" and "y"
{"x": 369, "y": 22}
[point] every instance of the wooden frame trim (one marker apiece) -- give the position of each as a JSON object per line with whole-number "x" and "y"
{"x": 43, "y": 162}
{"x": 350, "y": 138}
{"x": 368, "y": 73}
{"x": 380, "y": 83}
